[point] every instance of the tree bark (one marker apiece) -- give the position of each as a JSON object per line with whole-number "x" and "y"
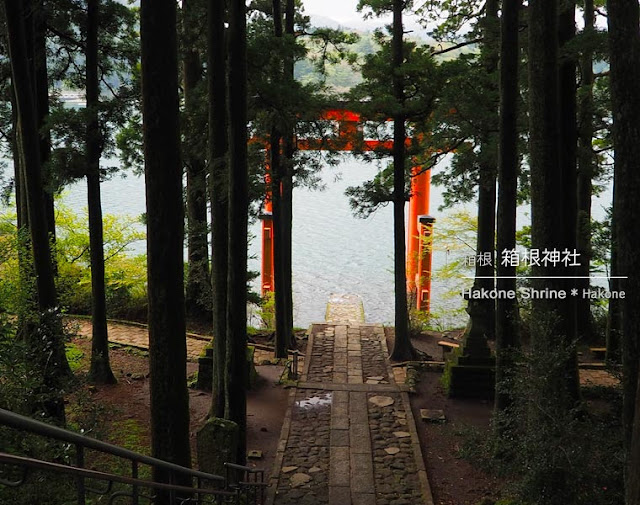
{"x": 568, "y": 143}
{"x": 402, "y": 348}
{"x": 100, "y": 369}
{"x": 198, "y": 286}
{"x": 279, "y": 288}
{"x": 586, "y": 162}
{"x": 42, "y": 107}
{"x": 237, "y": 370}
{"x": 51, "y": 356}
{"x": 287, "y": 183}
{"x": 165, "y": 233}
{"x": 507, "y": 332}
{"x": 218, "y": 186}
{"x": 483, "y": 311}
{"x": 279, "y": 210}
{"x": 624, "y": 49}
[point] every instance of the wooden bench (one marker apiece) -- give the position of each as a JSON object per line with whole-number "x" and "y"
{"x": 598, "y": 352}
{"x": 447, "y": 347}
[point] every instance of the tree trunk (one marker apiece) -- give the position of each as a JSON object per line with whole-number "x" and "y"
{"x": 165, "y": 233}
{"x": 100, "y": 369}
{"x": 550, "y": 324}
{"x": 281, "y": 342}
{"x": 633, "y": 460}
{"x": 218, "y": 185}
{"x": 614, "y": 314}
{"x": 35, "y": 33}
{"x": 483, "y": 311}
{"x": 51, "y": 357}
{"x": 237, "y": 370}
{"x": 287, "y": 182}
{"x": 402, "y": 348}
{"x": 198, "y": 285}
{"x": 279, "y": 210}
{"x": 586, "y": 162}
{"x": 625, "y": 74}
{"x": 568, "y": 142}
{"x": 507, "y": 332}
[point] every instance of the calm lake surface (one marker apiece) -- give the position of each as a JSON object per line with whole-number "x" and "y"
{"x": 333, "y": 251}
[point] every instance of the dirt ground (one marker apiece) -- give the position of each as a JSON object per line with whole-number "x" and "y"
{"x": 129, "y": 400}
{"x": 454, "y": 481}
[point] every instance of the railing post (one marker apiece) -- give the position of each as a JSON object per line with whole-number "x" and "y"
{"x": 80, "y": 479}
{"x": 172, "y": 492}
{"x": 134, "y": 475}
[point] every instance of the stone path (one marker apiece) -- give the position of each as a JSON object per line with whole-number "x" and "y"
{"x": 349, "y": 437}
{"x": 137, "y": 335}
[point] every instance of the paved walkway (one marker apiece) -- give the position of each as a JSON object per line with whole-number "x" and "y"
{"x": 137, "y": 335}
{"x": 349, "y": 437}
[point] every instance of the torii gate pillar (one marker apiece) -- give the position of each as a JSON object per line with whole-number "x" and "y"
{"x": 419, "y": 239}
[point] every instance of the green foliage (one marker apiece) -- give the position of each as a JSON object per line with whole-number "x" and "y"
{"x": 267, "y": 310}
{"x": 125, "y": 275}
{"x": 74, "y": 356}
{"x": 552, "y": 450}
{"x": 374, "y": 99}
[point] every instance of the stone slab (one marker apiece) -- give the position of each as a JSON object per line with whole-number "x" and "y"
{"x": 340, "y": 495}
{"x": 361, "y": 473}
{"x": 339, "y": 471}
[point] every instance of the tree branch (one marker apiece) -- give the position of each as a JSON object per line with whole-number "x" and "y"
{"x": 456, "y": 46}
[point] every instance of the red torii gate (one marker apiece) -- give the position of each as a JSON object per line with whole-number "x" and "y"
{"x": 419, "y": 255}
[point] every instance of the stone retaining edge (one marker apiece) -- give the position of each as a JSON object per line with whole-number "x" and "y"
{"x": 282, "y": 446}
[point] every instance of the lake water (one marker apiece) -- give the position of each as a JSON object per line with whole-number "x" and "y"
{"x": 333, "y": 252}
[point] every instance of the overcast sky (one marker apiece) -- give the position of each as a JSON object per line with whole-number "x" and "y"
{"x": 345, "y": 12}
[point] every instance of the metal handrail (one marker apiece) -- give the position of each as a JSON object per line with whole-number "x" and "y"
{"x": 23, "y": 423}
{"x": 224, "y": 489}
{"x": 96, "y": 475}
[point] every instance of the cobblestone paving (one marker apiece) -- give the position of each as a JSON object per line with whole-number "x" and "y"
{"x": 338, "y": 446}
{"x": 394, "y": 463}
{"x": 321, "y": 364}
{"x": 373, "y": 360}
{"x": 305, "y": 466}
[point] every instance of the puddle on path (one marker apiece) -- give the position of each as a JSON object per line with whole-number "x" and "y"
{"x": 315, "y": 401}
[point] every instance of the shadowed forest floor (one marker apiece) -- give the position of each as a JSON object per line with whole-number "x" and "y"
{"x": 120, "y": 414}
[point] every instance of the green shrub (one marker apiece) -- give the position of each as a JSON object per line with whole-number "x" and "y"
{"x": 552, "y": 450}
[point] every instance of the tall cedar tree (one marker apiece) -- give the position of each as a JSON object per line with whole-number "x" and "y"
{"x": 277, "y": 177}
{"x": 165, "y": 232}
{"x": 625, "y": 74}
{"x": 287, "y": 183}
{"x": 198, "y": 280}
{"x": 39, "y": 23}
{"x": 614, "y": 315}
{"x": 483, "y": 311}
{"x": 551, "y": 325}
{"x": 568, "y": 144}
{"x": 586, "y": 165}
{"x": 402, "y": 347}
{"x": 237, "y": 370}
{"x": 507, "y": 310}
{"x": 281, "y": 149}
{"x": 51, "y": 358}
{"x": 218, "y": 187}
{"x": 100, "y": 369}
